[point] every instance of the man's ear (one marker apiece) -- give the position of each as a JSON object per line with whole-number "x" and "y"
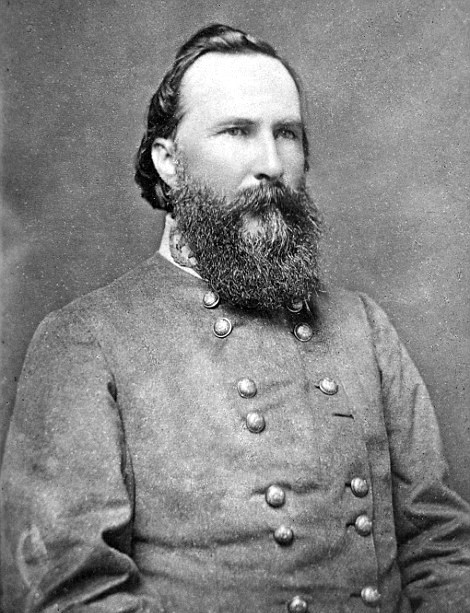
{"x": 163, "y": 158}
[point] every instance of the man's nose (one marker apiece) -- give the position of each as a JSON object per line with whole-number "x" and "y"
{"x": 268, "y": 164}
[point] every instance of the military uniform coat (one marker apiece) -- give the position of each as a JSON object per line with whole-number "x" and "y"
{"x": 172, "y": 458}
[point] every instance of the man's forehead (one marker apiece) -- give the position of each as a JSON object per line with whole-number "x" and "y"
{"x": 241, "y": 83}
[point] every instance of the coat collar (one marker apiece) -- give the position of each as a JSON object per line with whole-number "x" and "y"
{"x": 165, "y": 246}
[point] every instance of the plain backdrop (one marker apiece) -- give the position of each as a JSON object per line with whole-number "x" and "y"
{"x": 388, "y": 90}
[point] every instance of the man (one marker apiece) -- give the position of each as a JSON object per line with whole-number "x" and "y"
{"x": 216, "y": 431}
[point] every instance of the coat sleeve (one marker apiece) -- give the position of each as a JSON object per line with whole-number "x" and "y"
{"x": 432, "y": 521}
{"x": 67, "y": 492}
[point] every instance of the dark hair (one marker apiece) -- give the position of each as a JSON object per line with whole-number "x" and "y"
{"x": 165, "y": 111}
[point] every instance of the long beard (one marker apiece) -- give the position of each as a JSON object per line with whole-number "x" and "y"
{"x": 259, "y": 250}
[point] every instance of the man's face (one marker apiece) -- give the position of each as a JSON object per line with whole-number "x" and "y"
{"x": 238, "y": 181}
{"x": 241, "y": 124}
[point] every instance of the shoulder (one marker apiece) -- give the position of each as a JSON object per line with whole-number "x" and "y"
{"x": 152, "y": 285}
{"x": 147, "y": 281}
{"x": 358, "y": 323}
{"x": 350, "y": 309}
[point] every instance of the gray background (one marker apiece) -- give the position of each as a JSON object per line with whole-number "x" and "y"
{"x": 388, "y": 89}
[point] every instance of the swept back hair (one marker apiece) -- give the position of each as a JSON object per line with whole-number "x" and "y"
{"x": 165, "y": 109}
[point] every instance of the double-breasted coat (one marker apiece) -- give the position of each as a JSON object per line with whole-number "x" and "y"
{"x": 170, "y": 453}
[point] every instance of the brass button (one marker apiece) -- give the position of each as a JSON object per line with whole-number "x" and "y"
{"x": 328, "y": 386}
{"x": 363, "y": 525}
{"x": 275, "y": 496}
{"x": 255, "y": 422}
{"x": 295, "y": 306}
{"x": 283, "y": 535}
{"x": 370, "y": 596}
{"x": 303, "y": 332}
{"x": 247, "y": 388}
{"x": 222, "y": 327}
{"x": 297, "y": 605}
{"x": 359, "y": 487}
{"x": 211, "y": 300}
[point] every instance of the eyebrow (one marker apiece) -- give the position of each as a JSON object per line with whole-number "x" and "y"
{"x": 294, "y": 123}
{"x": 235, "y": 121}
{"x": 291, "y": 122}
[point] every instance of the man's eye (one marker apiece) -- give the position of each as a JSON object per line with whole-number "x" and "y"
{"x": 235, "y": 131}
{"x": 288, "y": 134}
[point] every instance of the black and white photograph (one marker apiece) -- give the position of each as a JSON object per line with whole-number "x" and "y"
{"x": 235, "y": 326}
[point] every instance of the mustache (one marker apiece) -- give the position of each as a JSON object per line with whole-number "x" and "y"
{"x": 265, "y": 198}
{"x": 273, "y": 200}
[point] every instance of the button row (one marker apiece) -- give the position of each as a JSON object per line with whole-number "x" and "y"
{"x": 247, "y": 387}
{"x": 223, "y": 326}
{"x": 256, "y": 423}
{"x": 211, "y": 300}
{"x": 275, "y": 495}
{"x": 369, "y": 594}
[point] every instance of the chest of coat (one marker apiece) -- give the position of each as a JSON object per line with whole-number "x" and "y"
{"x": 212, "y": 422}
